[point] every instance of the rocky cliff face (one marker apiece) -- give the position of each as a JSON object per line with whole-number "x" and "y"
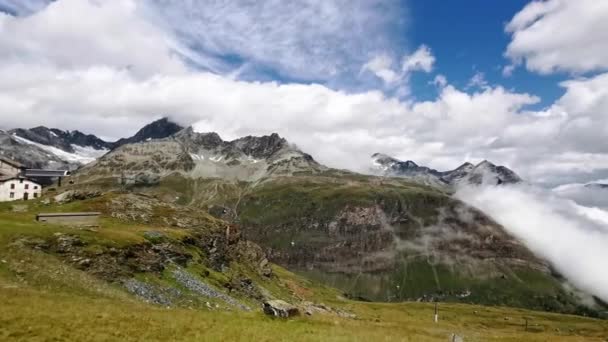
{"x": 482, "y": 173}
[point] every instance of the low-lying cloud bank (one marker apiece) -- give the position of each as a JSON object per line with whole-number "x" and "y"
{"x": 572, "y": 237}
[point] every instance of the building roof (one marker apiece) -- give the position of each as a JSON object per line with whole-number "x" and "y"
{"x": 12, "y": 162}
{"x": 8, "y": 178}
{"x": 68, "y": 214}
{"x": 45, "y": 173}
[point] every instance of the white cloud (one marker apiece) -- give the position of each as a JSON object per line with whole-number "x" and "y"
{"x": 585, "y": 194}
{"x": 22, "y": 7}
{"x": 507, "y": 70}
{"x": 315, "y": 39}
{"x": 421, "y": 60}
{"x": 573, "y": 238}
{"x": 72, "y": 34}
{"x": 440, "y": 81}
{"x": 560, "y": 35}
{"x": 382, "y": 67}
{"x": 478, "y": 81}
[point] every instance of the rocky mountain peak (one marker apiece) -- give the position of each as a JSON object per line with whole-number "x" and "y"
{"x": 483, "y": 173}
{"x": 261, "y": 147}
{"x": 488, "y": 173}
{"x": 158, "y": 129}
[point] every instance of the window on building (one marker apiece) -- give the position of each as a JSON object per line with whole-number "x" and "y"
{"x": 35, "y": 187}
{"x": 27, "y": 186}
{"x": 12, "y": 186}
{"x": 12, "y": 195}
{"x": 35, "y": 195}
{"x": 21, "y": 181}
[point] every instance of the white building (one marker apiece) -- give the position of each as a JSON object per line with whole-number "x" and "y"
{"x": 13, "y": 186}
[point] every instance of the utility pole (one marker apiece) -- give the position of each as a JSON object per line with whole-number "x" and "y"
{"x": 436, "y": 313}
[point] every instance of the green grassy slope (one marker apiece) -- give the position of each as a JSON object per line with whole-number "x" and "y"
{"x": 46, "y": 294}
{"x": 379, "y": 239}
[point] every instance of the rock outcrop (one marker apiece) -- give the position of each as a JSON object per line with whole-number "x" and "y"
{"x": 280, "y": 308}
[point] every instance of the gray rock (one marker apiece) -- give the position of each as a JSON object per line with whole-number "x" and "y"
{"x": 280, "y": 308}
{"x": 195, "y": 285}
{"x": 150, "y": 293}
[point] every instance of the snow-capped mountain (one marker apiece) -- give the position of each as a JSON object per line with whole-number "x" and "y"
{"x": 482, "y": 173}
{"x": 53, "y": 148}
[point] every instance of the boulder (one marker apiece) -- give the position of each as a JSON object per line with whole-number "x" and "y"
{"x": 72, "y": 195}
{"x": 279, "y": 308}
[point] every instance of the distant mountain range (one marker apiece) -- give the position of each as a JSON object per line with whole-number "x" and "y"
{"x": 53, "y": 148}
{"x": 167, "y": 147}
{"x": 482, "y": 173}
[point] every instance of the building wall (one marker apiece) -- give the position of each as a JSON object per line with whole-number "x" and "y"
{"x": 8, "y": 170}
{"x": 34, "y": 190}
{"x": 72, "y": 220}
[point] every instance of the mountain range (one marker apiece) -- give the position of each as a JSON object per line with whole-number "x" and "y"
{"x": 52, "y": 148}
{"x": 484, "y": 172}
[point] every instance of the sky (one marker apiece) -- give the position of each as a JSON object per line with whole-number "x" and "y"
{"x": 520, "y": 83}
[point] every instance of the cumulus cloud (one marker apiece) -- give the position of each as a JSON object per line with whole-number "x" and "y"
{"x": 572, "y": 237}
{"x": 560, "y": 35}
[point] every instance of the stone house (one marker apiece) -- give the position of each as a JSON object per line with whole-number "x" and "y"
{"x": 13, "y": 186}
{"x": 10, "y": 168}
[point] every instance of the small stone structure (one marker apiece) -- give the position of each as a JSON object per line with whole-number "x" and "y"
{"x": 71, "y": 219}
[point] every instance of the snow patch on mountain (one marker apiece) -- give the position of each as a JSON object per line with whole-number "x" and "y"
{"x": 82, "y": 155}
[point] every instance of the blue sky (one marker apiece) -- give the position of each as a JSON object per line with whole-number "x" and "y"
{"x": 469, "y": 37}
